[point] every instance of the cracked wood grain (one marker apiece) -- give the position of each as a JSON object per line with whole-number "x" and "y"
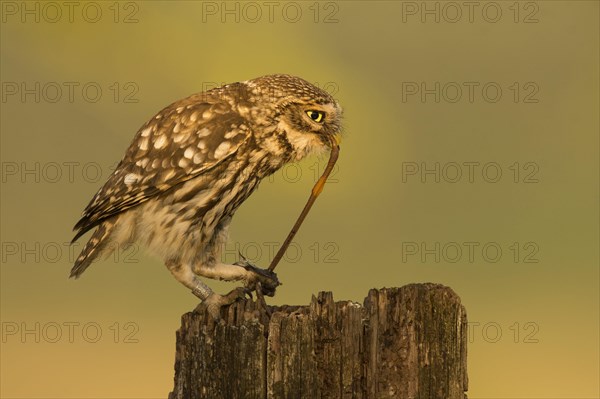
{"x": 407, "y": 342}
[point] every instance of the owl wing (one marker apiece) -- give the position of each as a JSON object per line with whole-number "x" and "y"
{"x": 184, "y": 140}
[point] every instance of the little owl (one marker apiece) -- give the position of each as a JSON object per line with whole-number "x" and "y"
{"x": 191, "y": 166}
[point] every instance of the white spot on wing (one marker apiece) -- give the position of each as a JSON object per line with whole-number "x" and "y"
{"x": 168, "y": 174}
{"x": 144, "y": 144}
{"x": 142, "y": 162}
{"x": 131, "y": 178}
{"x": 222, "y": 149}
{"x": 231, "y": 134}
{"x": 147, "y": 130}
{"x": 160, "y": 142}
{"x": 183, "y": 163}
{"x": 189, "y": 153}
{"x": 178, "y": 137}
{"x": 203, "y": 132}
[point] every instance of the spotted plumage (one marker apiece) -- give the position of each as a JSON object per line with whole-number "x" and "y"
{"x": 191, "y": 166}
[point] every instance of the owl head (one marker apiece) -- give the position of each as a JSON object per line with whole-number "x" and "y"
{"x": 309, "y": 117}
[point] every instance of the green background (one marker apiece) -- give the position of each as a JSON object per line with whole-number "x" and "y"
{"x": 534, "y": 312}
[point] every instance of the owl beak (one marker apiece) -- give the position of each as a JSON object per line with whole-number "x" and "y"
{"x": 335, "y": 140}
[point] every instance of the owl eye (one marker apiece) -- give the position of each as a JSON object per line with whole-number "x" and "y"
{"x": 316, "y": 116}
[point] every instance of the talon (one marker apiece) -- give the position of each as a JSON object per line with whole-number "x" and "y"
{"x": 260, "y": 299}
{"x": 215, "y": 302}
{"x": 243, "y": 262}
{"x": 268, "y": 280}
{"x": 239, "y": 293}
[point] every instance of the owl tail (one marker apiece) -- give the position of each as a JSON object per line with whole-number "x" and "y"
{"x": 93, "y": 248}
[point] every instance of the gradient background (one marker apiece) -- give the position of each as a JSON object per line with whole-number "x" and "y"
{"x": 358, "y": 233}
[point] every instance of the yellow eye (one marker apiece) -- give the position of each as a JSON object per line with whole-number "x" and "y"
{"x": 316, "y": 116}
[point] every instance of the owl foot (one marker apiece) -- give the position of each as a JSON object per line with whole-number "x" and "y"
{"x": 215, "y": 302}
{"x": 268, "y": 279}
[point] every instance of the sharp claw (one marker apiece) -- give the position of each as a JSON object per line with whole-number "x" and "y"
{"x": 261, "y": 299}
{"x": 243, "y": 262}
{"x": 267, "y": 277}
{"x": 238, "y": 294}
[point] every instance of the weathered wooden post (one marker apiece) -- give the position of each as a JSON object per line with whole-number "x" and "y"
{"x": 408, "y": 342}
